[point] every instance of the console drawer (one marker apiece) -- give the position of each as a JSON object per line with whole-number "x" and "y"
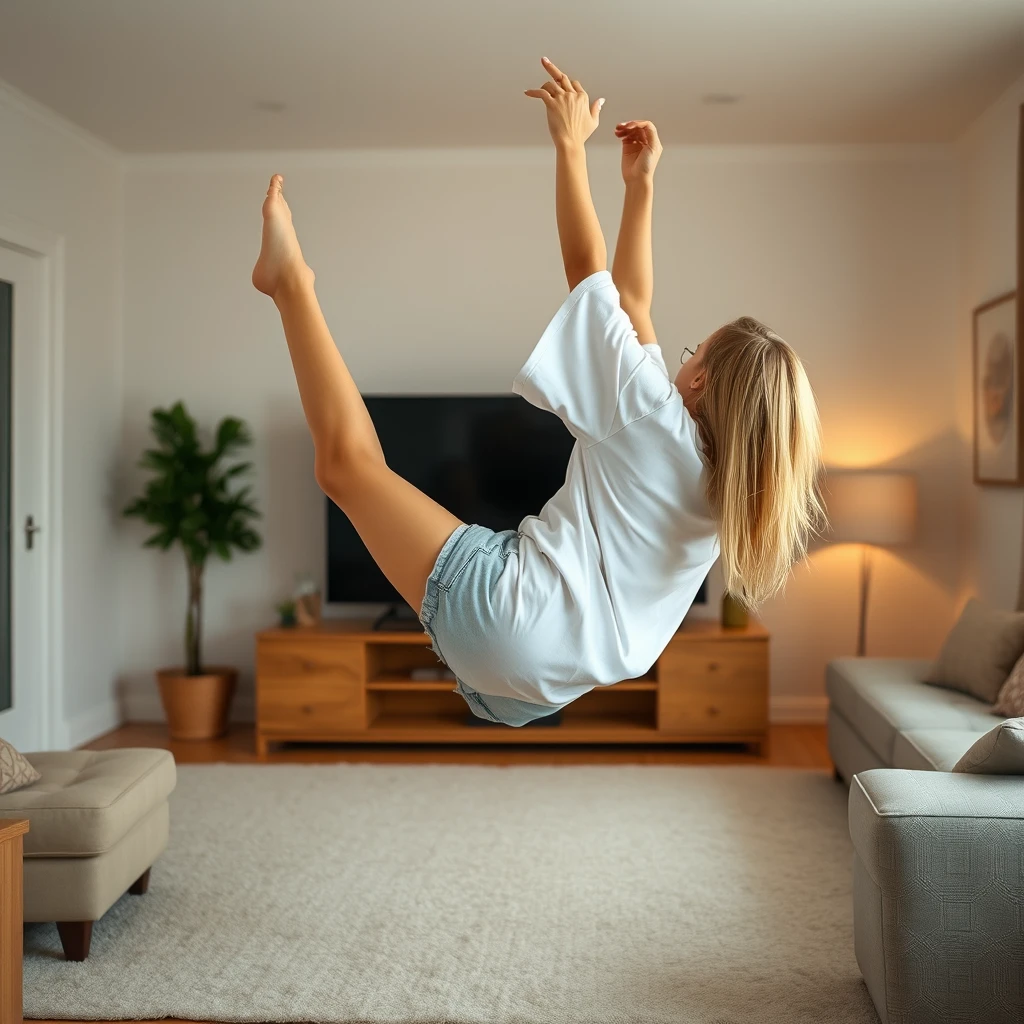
{"x": 315, "y": 688}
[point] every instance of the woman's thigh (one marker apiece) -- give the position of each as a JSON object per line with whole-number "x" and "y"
{"x": 402, "y": 528}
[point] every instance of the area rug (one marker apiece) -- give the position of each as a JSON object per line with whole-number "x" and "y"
{"x": 441, "y": 894}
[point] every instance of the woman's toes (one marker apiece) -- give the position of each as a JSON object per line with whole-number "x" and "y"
{"x": 276, "y": 189}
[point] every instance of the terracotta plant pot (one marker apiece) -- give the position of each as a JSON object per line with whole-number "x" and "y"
{"x": 197, "y": 706}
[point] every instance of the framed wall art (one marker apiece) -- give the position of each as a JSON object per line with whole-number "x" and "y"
{"x": 998, "y": 381}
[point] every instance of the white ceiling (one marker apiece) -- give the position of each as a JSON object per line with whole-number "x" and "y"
{"x": 182, "y": 75}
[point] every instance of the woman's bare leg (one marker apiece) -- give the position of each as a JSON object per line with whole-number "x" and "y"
{"x": 401, "y": 527}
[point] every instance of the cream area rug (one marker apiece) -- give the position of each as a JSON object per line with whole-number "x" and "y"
{"x": 442, "y": 894}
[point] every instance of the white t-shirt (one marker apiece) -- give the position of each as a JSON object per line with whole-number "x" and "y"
{"x": 611, "y": 564}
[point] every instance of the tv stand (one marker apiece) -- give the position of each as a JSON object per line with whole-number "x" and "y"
{"x": 345, "y": 682}
{"x": 399, "y": 618}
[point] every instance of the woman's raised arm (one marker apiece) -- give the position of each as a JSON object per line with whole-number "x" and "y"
{"x": 633, "y": 268}
{"x": 572, "y": 119}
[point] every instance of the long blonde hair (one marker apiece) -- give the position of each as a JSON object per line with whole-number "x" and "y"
{"x": 759, "y": 427}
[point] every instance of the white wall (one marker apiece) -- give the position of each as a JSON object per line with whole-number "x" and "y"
{"x": 437, "y": 270}
{"x": 988, "y": 200}
{"x": 55, "y": 177}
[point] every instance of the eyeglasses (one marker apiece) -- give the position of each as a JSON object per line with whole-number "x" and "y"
{"x": 687, "y": 353}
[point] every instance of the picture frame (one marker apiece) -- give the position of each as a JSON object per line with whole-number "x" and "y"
{"x": 997, "y": 386}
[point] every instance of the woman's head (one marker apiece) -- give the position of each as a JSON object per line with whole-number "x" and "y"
{"x": 758, "y": 424}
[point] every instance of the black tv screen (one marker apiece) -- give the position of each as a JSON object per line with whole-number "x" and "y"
{"x": 488, "y": 459}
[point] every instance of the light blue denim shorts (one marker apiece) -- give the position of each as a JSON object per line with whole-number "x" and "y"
{"x": 457, "y": 592}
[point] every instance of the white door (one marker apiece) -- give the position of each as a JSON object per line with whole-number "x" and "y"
{"x": 23, "y": 466}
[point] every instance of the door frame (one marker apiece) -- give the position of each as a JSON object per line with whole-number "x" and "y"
{"x": 45, "y": 245}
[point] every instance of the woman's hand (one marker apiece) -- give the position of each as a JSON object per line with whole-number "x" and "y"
{"x": 641, "y": 149}
{"x": 572, "y": 118}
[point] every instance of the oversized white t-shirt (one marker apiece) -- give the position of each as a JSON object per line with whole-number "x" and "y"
{"x": 609, "y": 567}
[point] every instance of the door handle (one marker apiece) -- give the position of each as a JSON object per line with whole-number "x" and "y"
{"x": 30, "y": 532}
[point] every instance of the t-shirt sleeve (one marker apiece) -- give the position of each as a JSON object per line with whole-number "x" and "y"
{"x": 657, "y": 356}
{"x": 589, "y": 368}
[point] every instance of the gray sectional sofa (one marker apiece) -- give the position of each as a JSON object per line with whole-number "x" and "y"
{"x": 939, "y": 857}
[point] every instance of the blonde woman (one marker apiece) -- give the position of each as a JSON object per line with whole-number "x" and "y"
{"x": 665, "y": 475}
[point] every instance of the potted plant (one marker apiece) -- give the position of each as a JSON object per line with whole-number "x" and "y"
{"x": 286, "y": 613}
{"x": 190, "y": 501}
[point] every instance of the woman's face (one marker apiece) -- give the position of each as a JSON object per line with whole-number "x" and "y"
{"x": 690, "y": 378}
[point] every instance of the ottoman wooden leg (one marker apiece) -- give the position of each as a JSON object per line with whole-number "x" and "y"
{"x": 141, "y": 884}
{"x": 75, "y": 937}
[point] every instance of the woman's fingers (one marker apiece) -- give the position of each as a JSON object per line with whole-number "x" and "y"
{"x": 539, "y": 94}
{"x": 643, "y": 132}
{"x": 557, "y": 75}
{"x": 552, "y": 70}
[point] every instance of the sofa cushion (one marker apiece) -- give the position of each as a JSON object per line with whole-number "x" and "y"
{"x": 880, "y": 697}
{"x": 15, "y": 771}
{"x": 980, "y": 651}
{"x": 999, "y": 752}
{"x": 932, "y": 750}
{"x": 88, "y": 800}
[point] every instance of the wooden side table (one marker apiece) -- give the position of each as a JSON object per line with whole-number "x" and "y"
{"x": 11, "y": 918}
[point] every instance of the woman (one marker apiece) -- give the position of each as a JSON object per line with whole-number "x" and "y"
{"x": 664, "y": 476}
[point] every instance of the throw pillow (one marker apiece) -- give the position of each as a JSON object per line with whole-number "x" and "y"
{"x": 999, "y": 752}
{"x": 1010, "y": 701}
{"x": 980, "y": 651}
{"x": 15, "y": 771}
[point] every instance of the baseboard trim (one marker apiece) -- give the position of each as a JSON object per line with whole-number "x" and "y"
{"x": 140, "y": 702}
{"x": 784, "y": 709}
{"x": 89, "y": 724}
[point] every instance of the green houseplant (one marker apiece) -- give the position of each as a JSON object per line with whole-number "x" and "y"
{"x": 191, "y": 500}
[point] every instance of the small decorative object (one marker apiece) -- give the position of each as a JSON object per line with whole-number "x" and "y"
{"x": 420, "y": 675}
{"x": 307, "y": 601}
{"x": 734, "y": 615}
{"x": 189, "y": 501}
{"x": 286, "y": 613}
{"x": 998, "y": 379}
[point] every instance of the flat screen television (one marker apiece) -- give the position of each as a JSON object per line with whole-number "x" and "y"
{"x": 489, "y": 459}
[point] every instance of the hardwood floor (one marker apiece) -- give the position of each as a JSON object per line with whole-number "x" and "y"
{"x": 789, "y": 746}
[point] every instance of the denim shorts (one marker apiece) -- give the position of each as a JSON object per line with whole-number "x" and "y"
{"x": 470, "y": 562}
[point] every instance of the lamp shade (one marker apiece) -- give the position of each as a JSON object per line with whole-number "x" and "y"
{"x": 871, "y": 507}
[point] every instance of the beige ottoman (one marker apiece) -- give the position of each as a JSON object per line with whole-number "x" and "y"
{"x": 99, "y": 819}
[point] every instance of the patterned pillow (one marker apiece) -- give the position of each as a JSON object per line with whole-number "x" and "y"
{"x": 999, "y": 752}
{"x": 1010, "y": 701}
{"x": 15, "y": 771}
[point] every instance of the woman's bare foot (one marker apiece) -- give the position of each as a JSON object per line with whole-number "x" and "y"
{"x": 280, "y": 263}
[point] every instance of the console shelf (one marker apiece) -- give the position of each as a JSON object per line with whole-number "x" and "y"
{"x": 343, "y": 682}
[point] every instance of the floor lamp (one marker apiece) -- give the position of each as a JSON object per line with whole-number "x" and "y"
{"x": 873, "y": 509}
